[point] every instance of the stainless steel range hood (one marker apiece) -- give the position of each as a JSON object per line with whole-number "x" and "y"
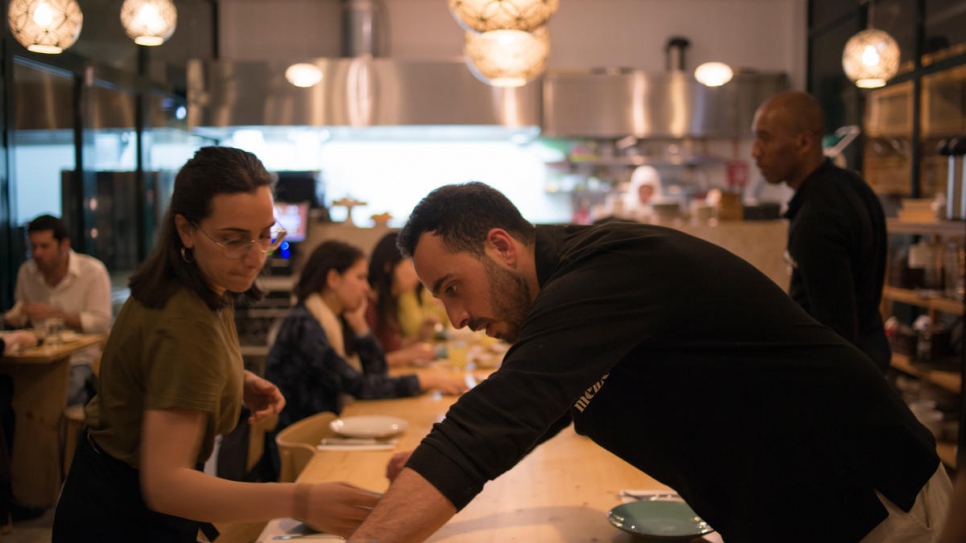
{"x": 613, "y": 104}
{"x": 378, "y": 92}
{"x": 354, "y": 92}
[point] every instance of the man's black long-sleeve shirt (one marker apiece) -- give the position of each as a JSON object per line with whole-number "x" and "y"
{"x": 837, "y": 246}
{"x": 688, "y": 363}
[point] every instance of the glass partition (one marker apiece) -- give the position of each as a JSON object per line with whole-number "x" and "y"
{"x": 43, "y": 140}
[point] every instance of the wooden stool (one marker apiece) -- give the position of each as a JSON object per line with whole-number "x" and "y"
{"x": 73, "y": 422}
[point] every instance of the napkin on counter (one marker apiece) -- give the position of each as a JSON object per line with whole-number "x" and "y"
{"x": 355, "y": 444}
{"x": 634, "y": 494}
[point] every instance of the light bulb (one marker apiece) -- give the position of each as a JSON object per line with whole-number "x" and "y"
{"x": 713, "y": 74}
{"x": 870, "y": 57}
{"x": 149, "y": 18}
{"x": 303, "y": 75}
{"x": 43, "y": 15}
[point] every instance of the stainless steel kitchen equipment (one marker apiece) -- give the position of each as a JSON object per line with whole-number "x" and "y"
{"x": 955, "y": 148}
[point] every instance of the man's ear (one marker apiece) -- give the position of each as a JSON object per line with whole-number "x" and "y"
{"x": 806, "y": 141}
{"x": 502, "y": 246}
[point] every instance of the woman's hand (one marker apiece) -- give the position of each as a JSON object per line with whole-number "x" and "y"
{"x": 261, "y": 397}
{"x": 447, "y": 383}
{"x": 356, "y": 319}
{"x": 420, "y": 352}
{"x": 338, "y": 508}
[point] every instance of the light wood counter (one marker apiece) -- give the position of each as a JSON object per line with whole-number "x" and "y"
{"x": 561, "y": 492}
{"x": 40, "y": 380}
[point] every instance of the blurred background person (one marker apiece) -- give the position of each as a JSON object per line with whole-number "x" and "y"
{"x": 58, "y": 283}
{"x": 325, "y": 353}
{"x": 643, "y": 191}
{"x": 401, "y": 313}
{"x": 837, "y": 244}
{"x": 172, "y": 378}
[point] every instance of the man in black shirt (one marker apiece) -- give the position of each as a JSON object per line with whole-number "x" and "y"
{"x": 837, "y": 235}
{"x": 670, "y": 352}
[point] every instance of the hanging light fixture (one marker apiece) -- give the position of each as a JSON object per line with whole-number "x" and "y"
{"x": 508, "y": 58}
{"x": 871, "y": 57}
{"x": 713, "y": 74}
{"x": 45, "y": 26}
{"x": 303, "y": 74}
{"x": 149, "y": 22}
{"x": 488, "y": 15}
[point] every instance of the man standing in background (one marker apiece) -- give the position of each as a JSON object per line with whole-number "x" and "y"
{"x": 57, "y": 283}
{"x": 837, "y": 233}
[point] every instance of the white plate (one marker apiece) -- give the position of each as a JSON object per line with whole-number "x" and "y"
{"x": 368, "y": 426}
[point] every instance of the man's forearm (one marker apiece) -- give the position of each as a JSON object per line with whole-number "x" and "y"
{"x": 411, "y": 511}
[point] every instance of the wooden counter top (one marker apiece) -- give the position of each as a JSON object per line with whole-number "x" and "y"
{"x": 561, "y": 492}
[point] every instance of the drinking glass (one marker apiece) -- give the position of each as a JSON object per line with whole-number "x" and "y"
{"x": 457, "y": 351}
{"x": 53, "y": 327}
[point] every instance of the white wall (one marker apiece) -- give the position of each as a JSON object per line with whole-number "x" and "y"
{"x": 765, "y": 35}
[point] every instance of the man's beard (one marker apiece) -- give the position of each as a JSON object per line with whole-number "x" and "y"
{"x": 509, "y": 298}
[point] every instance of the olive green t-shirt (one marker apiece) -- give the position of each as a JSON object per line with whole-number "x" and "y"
{"x": 182, "y": 356}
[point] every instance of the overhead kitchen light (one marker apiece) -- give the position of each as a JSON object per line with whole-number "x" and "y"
{"x": 488, "y": 15}
{"x": 871, "y": 57}
{"x": 149, "y": 22}
{"x": 45, "y": 26}
{"x": 303, "y": 75}
{"x": 508, "y": 58}
{"x": 713, "y": 74}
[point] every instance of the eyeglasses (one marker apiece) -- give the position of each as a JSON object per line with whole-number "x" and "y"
{"x": 236, "y": 248}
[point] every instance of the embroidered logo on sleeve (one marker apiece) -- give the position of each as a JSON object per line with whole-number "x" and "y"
{"x": 589, "y": 394}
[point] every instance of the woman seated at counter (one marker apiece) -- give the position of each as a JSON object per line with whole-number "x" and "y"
{"x": 325, "y": 351}
{"x": 401, "y": 313}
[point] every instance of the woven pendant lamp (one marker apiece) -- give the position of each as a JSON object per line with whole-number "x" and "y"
{"x": 45, "y": 26}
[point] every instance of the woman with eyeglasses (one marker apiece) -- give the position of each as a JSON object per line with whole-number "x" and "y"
{"x": 172, "y": 378}
{"x": 325, "y": 352}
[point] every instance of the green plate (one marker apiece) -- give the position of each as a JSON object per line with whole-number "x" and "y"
{"x": 659, "y": 519}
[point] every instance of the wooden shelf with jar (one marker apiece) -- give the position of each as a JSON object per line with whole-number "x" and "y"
{"x": 935, "y": 304}
{"x": 949, "y": 380}
{"x": 923, "y": 299}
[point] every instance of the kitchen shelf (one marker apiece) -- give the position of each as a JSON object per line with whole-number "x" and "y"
{"x": 939, "y": 228}
{"x": 947, "y": 453}
{"x": 949, "y": 380}
{"x": 913, "y": 297}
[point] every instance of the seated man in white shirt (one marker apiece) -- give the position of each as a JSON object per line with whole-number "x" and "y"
{"x": 59, "y": 283}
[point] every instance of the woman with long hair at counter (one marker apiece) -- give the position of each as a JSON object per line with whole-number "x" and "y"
{"x": 172, "y": 378}
{"x": 401, "y": 314}
{"x": 325, "y": 352}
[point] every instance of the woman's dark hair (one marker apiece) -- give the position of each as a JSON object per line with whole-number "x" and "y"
{"x": 212, "y": 171}
{"x": 385, "y": 258}
{"x": 328, "y": 256}
{"x": 462, "y": 215}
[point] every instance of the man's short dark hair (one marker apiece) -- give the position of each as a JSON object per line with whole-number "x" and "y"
{"x": 462, "y": 215}
{"x": 49, "y": 222}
